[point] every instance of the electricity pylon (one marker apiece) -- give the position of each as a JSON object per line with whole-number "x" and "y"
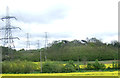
{"x": 8, "y": 38}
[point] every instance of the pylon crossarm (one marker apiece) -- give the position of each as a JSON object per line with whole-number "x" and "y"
{"x": 10, "y": 28}
{"x": 10, "y": 38}
{"x": 8, "y": 17}
{"x": 16, "y": 38}
{"x": 16, "y": 28}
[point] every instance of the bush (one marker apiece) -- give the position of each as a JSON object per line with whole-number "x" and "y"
{"x": 69, "y": 68}
{"x": 77, "y": 67}
{"x": 49, "y": 67}
{"x": 98, "y": 66}
{"x": 18, "y": 67}
{"x": 70, "y": 62}
{"x": 90, "y": 66}
{"x": 115, "y": 65}
{"x": 95, "y": 66}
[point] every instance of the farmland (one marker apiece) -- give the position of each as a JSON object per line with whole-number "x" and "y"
{"x": 57, "y": 67}
{"x": 97, "y": 73}
{"x": 85, "y": 73}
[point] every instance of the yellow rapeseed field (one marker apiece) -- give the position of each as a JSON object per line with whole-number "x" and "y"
{"x": 100, "y": 73}
{"x": 95, "y": 73}
{"x": 84, "y": 66}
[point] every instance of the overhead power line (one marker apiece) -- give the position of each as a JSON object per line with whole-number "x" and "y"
{"x": 8, "y": 38}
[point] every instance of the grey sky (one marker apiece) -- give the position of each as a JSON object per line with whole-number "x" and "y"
{"x": 46, "y": 17}
{"x": 63, "y": 19}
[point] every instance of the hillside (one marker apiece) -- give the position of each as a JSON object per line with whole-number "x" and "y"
{"x": 84, "y": 50}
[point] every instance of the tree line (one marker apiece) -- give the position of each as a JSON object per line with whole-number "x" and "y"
{"x": 64, "y": 50}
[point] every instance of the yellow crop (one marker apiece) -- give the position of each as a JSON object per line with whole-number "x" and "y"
{"x": 96, "y": 73}
{"x": 115, "y": 73}
{"x": 106, "y": 65}
{"x": 82, "y": 66}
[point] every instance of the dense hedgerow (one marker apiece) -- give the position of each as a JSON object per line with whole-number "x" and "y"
{"x": 115, "y": 65}
{"x": 95, "y": 66}
{"x": 18, "y": 67}
{"x": 49, "y": 67}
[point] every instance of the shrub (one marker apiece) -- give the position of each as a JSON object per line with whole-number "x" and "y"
{"x": 95, "y": 66}
{"x": 115, "y": 65}
{"x": 18, "y": 67}
{"x": 70, "y": 62}
{"x": 77, "y": 67}
{"x": 90, "y": 66}
{"x": 49, "y": 67}
{"x": 98, "y": 66}
{"x": 69, "y": 68}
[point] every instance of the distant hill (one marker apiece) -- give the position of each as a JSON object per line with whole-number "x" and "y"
{"x": 63, "y": 50}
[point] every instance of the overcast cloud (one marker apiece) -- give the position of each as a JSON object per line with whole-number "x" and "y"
{"x": 45, "y": 17}
{"x": 62, "y": 19}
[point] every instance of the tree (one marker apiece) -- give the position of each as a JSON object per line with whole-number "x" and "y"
{"x": 115, "y": 43}
{"x": 95, "y": 41}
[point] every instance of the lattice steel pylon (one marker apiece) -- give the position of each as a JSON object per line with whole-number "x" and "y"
{"x": 8, "y": 38}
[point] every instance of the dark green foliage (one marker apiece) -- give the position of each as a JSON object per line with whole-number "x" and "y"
{"x": 70, "y": 62}
{"x": 74, "y": 50}
{"x": 115, "y": 65}
{"x": 85, "y": 50}
{"x": 90, "y": 66}
{"x": 49, "y": 67}
{"x": 69, "y": 68}
{"x": 95, "y": 66}
{"x": 77, "y": 67}
{"x": 98, "y": 66}
{"x": 7, "y": 53}
{"x": 115, "y": 43}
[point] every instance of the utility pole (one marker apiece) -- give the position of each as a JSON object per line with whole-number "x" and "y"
{"x": 8, "y": 38}
{"x": 38, "y": 44}
{"x": 27, "y": 42}
{"x": 46, "y": 42}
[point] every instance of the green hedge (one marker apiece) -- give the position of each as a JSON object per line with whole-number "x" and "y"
{"x": 18, "y": 67}
{"x": 49, "y": 67}
{"x": 95, "y": 66}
